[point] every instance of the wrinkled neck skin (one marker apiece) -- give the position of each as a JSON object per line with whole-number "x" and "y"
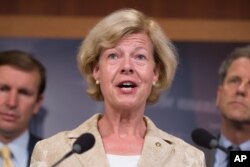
{"x": 122, "y": 131}
{"x": 123, "y": 122}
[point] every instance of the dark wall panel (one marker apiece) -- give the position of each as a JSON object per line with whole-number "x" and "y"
{"x": 222, "y": 9}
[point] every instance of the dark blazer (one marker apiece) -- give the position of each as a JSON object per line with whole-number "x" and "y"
{"x": 32, "y": 142}
{"x": 210, "y": 157}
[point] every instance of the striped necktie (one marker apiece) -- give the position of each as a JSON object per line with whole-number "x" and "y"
{"x": 6, "y": 156}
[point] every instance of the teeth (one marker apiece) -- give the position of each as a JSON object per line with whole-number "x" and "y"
{"x": 126, "y": 85}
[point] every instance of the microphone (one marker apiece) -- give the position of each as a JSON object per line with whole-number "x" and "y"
{"x": 83, "y": 143}
{"x": 205, "y": 139}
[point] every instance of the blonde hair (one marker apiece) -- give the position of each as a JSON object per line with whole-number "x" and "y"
{"x": 110, "y": 30}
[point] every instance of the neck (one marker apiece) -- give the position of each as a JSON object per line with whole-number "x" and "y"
{"x": 236, "y": 132}
{"x": 122, "y": 134}
{"x": 123, "y": 121}
{"x": 122, "y": 125}
{"x": 7, "y": 137}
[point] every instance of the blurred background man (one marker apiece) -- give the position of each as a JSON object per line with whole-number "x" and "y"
{"x": 233, "y": 102}
{"x": 22, "y": 85}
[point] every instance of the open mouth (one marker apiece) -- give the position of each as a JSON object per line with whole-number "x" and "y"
{"x": 127, "y": 84}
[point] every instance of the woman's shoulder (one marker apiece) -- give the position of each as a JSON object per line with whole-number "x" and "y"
{"x": 176, "y": 142}
{"x": 180, "y": 144}
{"x": 90, "y": 125}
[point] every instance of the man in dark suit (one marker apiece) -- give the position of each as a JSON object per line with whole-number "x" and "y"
{"x": 233, "y": 102}
{"x": 22, "y": 85}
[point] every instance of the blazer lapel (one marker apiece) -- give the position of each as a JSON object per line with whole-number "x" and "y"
{"x": 156, "y": 152}
{"x": 96, "y": 152}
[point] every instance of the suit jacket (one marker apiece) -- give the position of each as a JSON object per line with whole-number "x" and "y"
{"x": 31, "y": 144}
{"x": 160, "y": 149}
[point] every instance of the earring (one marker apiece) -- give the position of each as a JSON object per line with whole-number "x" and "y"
{"x": 155, "y": 84}
{"x": 97, "y": 82}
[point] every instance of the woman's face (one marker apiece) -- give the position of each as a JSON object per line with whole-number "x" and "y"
{"x": 127, "y": 71}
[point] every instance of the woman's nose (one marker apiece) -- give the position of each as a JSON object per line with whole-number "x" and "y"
{"x": 127, "y": 66}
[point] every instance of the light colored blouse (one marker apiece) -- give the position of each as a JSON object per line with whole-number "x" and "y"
{"x": 123, "y": 160}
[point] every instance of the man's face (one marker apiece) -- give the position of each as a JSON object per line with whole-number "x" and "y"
{"x": 233, "y": 96}
{"x": 18, "y": 99}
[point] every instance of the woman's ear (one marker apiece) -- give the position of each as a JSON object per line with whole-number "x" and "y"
{"x": 96, "y": 73}
{"x": 156, "y": 74}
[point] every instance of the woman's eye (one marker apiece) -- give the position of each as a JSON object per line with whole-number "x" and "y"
{"x": 112, "y": 56}
{"x": 141, "y": 57}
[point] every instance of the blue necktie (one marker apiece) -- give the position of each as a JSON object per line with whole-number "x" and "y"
{"x": 232, "y": 148}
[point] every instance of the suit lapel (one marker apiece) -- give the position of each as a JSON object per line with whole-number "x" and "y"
{"x": 96, "y": 152}
{"x": 155, "y": 152}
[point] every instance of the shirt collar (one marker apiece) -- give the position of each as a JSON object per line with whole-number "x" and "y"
{"x": 19, "y": 146}
{"x": 223, "y": 141}
{"x": 245, "y": 146}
